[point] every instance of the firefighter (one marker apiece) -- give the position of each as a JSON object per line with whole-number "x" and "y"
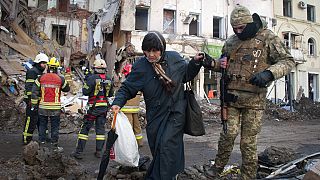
{"x": 131, "y": 110}
{"x": 68, "y": 77}
{"x": 39, "y": 66}
{"x": 98, "y": 87}
{"x": 48, "y": 89}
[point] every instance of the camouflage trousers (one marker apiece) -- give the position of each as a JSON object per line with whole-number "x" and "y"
{"x": 248, "y": 122}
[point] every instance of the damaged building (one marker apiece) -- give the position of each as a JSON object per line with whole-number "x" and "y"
{"x": 76, "y": 31}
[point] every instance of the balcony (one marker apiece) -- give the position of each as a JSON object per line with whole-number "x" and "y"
{"x": 298, "y": 56}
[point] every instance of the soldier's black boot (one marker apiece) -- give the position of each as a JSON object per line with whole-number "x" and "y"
{"x": 213, "y": 172}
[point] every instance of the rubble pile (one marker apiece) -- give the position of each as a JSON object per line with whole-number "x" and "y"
{"x": 308, "y": 108}
{"x": 11, "y": 117}
{"x": 42, "y": 163}
{"x": 209, "y": 111}
{"x": 274, "y": 112}
{"x": 303, "y": 110}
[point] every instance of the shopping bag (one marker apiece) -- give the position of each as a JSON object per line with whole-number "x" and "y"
{"x": 126, "y": 147}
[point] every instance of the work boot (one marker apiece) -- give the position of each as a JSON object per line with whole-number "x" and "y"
{"x": 98, "y": 154}
{"x": 213, "y": 172}
{"x": 77, "y": 155}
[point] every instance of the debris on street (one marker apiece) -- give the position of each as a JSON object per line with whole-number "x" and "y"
{"x": 42, "y": 163}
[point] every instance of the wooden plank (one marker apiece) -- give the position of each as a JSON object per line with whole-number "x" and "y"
{"x": 29, "y": 52}
{"x": 5, "y": 5}
{"x": 22, "y": 34}
{"x": 7, "y": 69}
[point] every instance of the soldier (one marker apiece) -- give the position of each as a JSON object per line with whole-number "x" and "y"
{"x": 32, "y": 116}
{"x": 98, "y": 87}
{"x": 254, "y": 57}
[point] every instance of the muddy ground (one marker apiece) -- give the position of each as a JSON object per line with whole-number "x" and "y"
{"x": 298, "y": 131}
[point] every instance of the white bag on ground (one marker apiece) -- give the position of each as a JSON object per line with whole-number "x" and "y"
{"x": 126, "y": 147}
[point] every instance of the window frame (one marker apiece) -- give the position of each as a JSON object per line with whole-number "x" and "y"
{"x": 148, "y": 17}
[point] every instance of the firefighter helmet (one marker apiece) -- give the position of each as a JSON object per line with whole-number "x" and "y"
{"x": 53, "y": 63}
{"x": 41, "y": 58}
{"x": 126, "y": 69}
{"x": 100, "y": 64}
{"x": 240, "y": 15}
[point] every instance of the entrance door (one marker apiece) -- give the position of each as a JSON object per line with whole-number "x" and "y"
{"x": 313, "y": 86}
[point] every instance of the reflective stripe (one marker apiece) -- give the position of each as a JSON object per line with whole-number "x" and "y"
{"x": 100, "y": 137}
{"x": 56, "y": 97}
{"x": 34, "y": 101}
{"x": 130, "y": 110}
{"x": 139, "y": 137}
{"x": 64, "y": 84}
{"x": 99, "y": 104}
{"x": 25, "y": 133}
{"x": 30, "y": 80}
{"x": 42, "y": 94}
{"x": 37, "y": 83}
{"x": 49, "y": 107}
{"x": 83, "y": 137}
{"x": 86, "y": 86}
{"x": 29, "y": 93}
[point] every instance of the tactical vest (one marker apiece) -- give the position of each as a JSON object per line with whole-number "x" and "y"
{"x": 246, "y": 60}
{"x": 101, "y": 92}
{"x": 51, "y": 85}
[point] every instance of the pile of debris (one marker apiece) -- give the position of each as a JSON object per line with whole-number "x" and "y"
{"x": 42, "y": 163}
{"x": 302, "y": 110}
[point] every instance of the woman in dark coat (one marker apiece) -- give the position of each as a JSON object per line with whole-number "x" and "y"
{"x": 160, "y": 76}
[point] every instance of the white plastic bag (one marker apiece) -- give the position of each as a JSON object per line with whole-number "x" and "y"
{"x": 126, "y": 147}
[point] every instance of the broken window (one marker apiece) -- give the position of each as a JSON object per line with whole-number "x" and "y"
{"x": 287, "y": 8}
{"x": 142, "y": 19}
{"x": 42, "y": 5}
{"x": 168, "y": 21}
{"x": 310, "y": 13}
{"x": 217, "y": 21}
{"x": 291, "y": 40}
{"x": 311, "y": 47}
{"x": 194, "y": 26}
{"x": 59, "y": 33}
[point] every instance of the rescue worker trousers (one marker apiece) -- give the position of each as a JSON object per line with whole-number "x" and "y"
{"x": 89, "y": 121}
{"x": 30, "y": 124}
{"x": 248, "y": 121}
{"x": 43, "y": 126}
{"x": 135, "y": 123}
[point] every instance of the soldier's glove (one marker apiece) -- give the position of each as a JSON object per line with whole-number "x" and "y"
{"x": 207, "y": 61}
{"x": 262, "y": 79}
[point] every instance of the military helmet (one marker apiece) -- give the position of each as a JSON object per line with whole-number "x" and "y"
{"x": 240, "y": 15}
{"x": 41, "y": 58}
{"x": 53, "y": 63}
{"x": 100, "y": 64}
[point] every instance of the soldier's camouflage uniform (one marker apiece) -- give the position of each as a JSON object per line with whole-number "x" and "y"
{"x": 245, "y": 58}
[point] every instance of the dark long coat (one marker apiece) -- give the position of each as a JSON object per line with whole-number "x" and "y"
{"x": 165, "y": 112}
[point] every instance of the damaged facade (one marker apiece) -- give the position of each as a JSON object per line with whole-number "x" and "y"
{"x": 75, "y": 31}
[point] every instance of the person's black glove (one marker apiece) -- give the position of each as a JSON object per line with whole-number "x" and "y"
{"x": 207, "y": 61}
{"x": 261, "y": 79}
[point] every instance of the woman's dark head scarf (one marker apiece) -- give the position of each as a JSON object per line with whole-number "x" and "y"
{"x": 154, "y": 40}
